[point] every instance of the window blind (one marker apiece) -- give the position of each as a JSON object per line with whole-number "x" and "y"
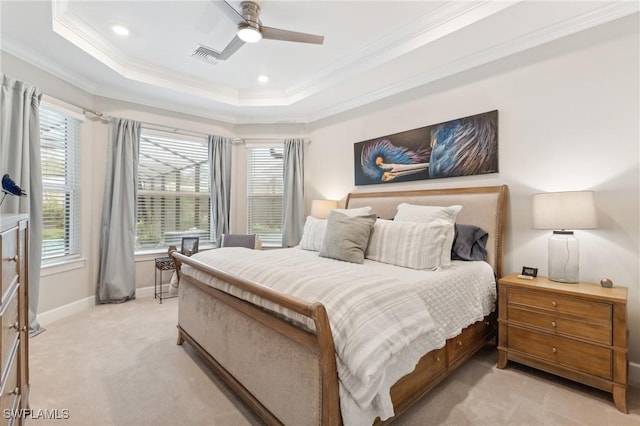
{"x": 265, "y": 185}
{"x": 60, "y": 154}
{"x": 173, "y": 191}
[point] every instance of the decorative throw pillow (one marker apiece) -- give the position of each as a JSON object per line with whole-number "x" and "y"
{"x": 415, "y": 213}
{"x": 358, "y": 211}
{"x": 412, "y": 245}
{"x": 346, "y": 237}
{"x": 313, "y": 233}
{"x": 470, "y": 243}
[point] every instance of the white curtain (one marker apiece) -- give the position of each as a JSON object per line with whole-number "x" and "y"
{"x": 117, "y": 273}
{"x": 20, "y": 158}
{"x": 293, "y": 194}
{"x": 220, "y": 184}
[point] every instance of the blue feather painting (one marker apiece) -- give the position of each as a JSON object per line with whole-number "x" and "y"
{"x": 461, "y": 147}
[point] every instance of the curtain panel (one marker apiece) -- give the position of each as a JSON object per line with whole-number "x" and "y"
{"x": 293, "y": 194}
{"x": 220, "y": 185}
{"x": 117, "y": 272}
{"x": 20, "y": 158}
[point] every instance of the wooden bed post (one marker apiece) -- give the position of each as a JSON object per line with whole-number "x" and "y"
{"x": 330, "y": 397}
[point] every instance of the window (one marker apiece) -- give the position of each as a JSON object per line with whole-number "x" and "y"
{"x": 265, "y": 184}
{"x": 173, "y": 191}
{"x": 60, "y": 153}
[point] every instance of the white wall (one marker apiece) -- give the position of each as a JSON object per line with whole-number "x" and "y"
{"x": 568, "y": 120}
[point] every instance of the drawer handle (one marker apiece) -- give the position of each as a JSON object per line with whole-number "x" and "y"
{"x": 553, "y": 324}
{"x": 487, "y": 323}
{"x": 15, "y": 326}
{"x": 554, "y": 303}
{"x": 14, "y": 259}
{"x": 459, "y": 343}
{"x": 554, "y": 350}
{"x": 437, "y": 358}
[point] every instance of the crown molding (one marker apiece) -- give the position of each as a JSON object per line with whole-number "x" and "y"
{"x": 536, "y": 38}
{"x": 447, "y": 19}
{"x": 53, "y": 68}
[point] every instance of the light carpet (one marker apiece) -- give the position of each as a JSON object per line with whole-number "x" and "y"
{"x": 120, "y": 365}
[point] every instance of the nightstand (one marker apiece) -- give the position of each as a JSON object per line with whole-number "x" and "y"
{"x": 577, "y": 331}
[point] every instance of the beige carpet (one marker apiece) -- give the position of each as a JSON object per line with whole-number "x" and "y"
{"x": 120, "y": 365}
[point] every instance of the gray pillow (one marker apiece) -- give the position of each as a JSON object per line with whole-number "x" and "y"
{"x": 346, "y": 238}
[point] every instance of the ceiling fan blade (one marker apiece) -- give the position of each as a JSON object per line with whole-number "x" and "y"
{"x": 231, "y": 48}
{"x": 284, "y": 35}
{"x": 230, "y": 11}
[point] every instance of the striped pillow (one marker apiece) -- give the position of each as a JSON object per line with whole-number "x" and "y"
{"x": 412, "y": 245}
{"x": 313, "y": 233}
{"x": 416, "y": 213}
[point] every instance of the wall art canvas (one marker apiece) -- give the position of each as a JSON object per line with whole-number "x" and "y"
{"x": 461, "y": 147}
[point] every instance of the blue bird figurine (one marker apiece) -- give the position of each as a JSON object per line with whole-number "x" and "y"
{"x": 10, "y": 187}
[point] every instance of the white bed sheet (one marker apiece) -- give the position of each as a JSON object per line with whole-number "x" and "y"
{"x": 427, "y": 308}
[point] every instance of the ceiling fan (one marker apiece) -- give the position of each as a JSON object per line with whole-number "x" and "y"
{"x": 251, "y": 30}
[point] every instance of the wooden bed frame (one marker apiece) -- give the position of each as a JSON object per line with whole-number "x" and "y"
{"x": 287, "y": 375}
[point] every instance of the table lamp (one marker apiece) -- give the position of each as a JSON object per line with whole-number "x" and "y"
{"x": 321, "y": 208}
{"x": 563, "y": 212}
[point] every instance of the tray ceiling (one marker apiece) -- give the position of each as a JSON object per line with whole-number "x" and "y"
{"x": 372, "y": 50}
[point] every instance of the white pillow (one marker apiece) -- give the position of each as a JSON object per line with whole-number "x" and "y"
{"x": 313, "y": 233}
{"x": 359, "y": 211}
{"x": 409, "y": 244}
{"x": 415, "y": 213}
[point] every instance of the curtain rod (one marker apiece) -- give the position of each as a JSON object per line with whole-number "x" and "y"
{"x": 243, "y": 140}
{"x": 154, "y": 126}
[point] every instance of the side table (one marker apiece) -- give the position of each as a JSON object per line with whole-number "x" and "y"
{"x": 162, "y": 264}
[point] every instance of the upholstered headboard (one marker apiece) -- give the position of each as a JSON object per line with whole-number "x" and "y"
{"x": 481, "y": 206}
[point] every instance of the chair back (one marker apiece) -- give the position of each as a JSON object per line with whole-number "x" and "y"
{"x": 241, "y": 240}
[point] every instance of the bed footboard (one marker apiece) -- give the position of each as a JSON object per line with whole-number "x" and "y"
{"x": 277, "y": 368}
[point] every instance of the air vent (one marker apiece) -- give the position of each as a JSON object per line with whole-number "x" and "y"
{"x": 206, "y": 54}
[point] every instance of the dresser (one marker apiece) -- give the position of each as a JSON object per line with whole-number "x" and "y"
{"x": 14, "y": 365}
{"x": 577, "y": 331}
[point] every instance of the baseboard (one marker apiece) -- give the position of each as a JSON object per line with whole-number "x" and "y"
{"x": 85, "y": 304}
{"x": 65, "y": 311}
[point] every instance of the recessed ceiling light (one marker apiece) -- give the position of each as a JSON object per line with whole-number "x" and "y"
{"x": 263, "y": 78}
{"x": 120, "y": 30}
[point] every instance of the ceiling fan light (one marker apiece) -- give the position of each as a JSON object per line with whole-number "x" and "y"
{"x": 249, "y": 34}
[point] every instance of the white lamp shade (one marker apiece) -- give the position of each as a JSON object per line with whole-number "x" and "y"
{"x": 564, "y": 210}
{"x": 321, "y": 208}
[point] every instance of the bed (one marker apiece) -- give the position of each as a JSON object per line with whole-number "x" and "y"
{"x": 282, "y": 357}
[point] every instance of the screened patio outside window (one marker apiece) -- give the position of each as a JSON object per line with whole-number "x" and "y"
{"x": 173, "y": 191}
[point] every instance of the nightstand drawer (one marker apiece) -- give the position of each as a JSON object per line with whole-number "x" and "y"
{"x": 582, "y": 328}
{"x": 560, "y": 304}
{"x": 568, "y": 353}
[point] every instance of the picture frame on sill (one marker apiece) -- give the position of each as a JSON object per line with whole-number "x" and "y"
{"x": 189, "y": 245}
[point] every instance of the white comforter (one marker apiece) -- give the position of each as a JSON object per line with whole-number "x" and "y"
{"x": 383, "y": 318}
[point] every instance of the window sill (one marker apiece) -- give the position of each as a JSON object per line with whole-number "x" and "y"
{"x": 149, "y": 255}
{"x": 61, "y": 266}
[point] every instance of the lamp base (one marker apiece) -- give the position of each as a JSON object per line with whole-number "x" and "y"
{"x": 563, "y": 257}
